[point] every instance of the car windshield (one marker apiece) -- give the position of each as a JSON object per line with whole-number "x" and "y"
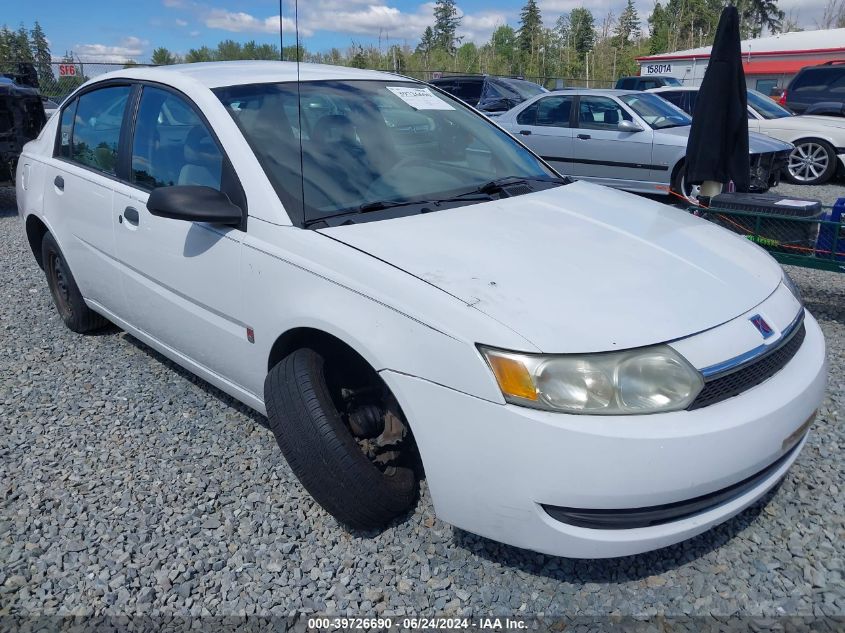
{"x": 766, "y": 107}
{"x": 524, "y": 89}
{"x": 671, "y": 81}
{"x": 360, "y": 146}
{"x": 657, "y": 112}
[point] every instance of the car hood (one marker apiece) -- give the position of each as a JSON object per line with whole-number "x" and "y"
{"x": 808, "y": 122}
{"x": 757, "y": 143}
{"x": 578, "y": 268}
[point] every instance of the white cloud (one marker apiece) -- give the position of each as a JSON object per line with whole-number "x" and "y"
{"x": 181, "y": 22}
{"x": 240, "y": 22}
{"x": 128, "y": 48}
{"x": 175, "y": 4}
{"x": 370, "y": 18}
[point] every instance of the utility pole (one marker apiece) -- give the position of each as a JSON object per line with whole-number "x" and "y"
{"x": 281, "y": 33}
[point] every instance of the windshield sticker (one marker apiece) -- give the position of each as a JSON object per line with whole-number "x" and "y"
{"x": 421, "y": 98}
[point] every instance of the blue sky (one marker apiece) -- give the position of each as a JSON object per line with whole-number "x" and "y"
{"x": 118, "y": 30}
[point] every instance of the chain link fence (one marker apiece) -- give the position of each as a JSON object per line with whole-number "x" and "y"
{"x": 795, "y": 232}
{"x": 65, "y": 77}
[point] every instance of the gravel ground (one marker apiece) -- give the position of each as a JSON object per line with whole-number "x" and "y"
{"x": 127, "y": 486}
{"x": 826, "y": 193}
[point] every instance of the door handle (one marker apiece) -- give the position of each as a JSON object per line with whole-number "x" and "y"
{"x": 584, "y": 137}
{"x": 131, "y": 215}
{"x": 525, "y": 132}
{"x": 59, "y": 182}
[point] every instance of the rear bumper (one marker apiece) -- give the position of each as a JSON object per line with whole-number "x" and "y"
{"x": 492, "y": 468}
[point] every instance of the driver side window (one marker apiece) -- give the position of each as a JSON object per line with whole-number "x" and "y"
{"x": 172, "y": 145}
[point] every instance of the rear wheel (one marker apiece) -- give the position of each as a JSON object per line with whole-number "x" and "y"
{"x": 70, "y": 305}
{"x": 811, "y": 162}
{"x": 344, "y": 436}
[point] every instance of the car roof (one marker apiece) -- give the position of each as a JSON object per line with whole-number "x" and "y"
{"x": 218, "y": 74}
{"x": 674, "y": 88}
{"x": 608, "y": 92}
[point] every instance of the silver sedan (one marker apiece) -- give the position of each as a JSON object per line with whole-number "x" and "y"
{"x": 625, "y": 139}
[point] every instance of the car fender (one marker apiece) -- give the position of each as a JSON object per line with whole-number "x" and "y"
{"x": 294, "y": 278}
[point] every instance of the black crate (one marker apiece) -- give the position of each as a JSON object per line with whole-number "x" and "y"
{"x": 785, "y": 235}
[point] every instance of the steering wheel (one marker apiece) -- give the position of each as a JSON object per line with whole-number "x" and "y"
{"x": 659, "y": 119}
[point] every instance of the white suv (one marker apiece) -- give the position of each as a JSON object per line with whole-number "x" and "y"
{"x": 404, "y": 288}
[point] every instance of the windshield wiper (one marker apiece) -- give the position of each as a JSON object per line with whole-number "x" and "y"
{"x": 380, "y": 205}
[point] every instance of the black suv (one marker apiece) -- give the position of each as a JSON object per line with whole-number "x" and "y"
{"x": 817, "y": 90}
{"x": 487, "y": 93}
{"x": 21, "y": 119}
{"x": 646, "y": 82}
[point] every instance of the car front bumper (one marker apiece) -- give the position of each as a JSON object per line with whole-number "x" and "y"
{"x": 491, "y": 468}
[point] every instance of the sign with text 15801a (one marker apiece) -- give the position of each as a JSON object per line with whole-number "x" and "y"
{"x": 67, "y": 70}
{"x": 658, "y": 69}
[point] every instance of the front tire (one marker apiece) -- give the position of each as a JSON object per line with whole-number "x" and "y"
{"x": 322, "y": 452}
{"x": 70, "y": 305}
{"x": 683, "y": 189}
{"x": 811, "y": 162}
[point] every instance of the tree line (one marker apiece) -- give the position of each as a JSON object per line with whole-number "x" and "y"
{"x": 578, "y": 45}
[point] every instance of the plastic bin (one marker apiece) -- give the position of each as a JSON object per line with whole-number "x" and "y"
{"x": 825, "y": 241}
{"x": 786, "y": 235}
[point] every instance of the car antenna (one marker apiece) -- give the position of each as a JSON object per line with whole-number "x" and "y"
{"x": 281, "y": 32}
{"x": 299, "y": 103}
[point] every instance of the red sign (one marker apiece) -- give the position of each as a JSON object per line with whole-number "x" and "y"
{"x": 67, "y": 70}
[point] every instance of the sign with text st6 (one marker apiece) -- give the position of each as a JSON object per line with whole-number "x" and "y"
{"x": 67, "y": 70}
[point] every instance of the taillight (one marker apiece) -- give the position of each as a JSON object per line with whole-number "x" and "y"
{"x": 782, "y": 99}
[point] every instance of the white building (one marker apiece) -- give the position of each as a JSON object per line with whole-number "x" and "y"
{"x": 768, "y": 61}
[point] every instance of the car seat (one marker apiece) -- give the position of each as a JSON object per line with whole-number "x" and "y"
{"x": 203, "y": 162}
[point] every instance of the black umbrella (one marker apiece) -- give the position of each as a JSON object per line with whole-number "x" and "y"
{"x": 718, "y": 142}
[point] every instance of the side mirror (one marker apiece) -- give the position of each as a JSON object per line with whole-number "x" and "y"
{"x": 497, "y": 105}
{"x": 194, "y": 204}
{"x": 628, "y": 126}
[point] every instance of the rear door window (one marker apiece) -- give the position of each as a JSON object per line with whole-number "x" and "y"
{"x": 92, "y": 137}
{"x": 817, "y": 79}
{"x": 675, "y": 97}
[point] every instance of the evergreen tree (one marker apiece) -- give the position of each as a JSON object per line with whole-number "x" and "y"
{"x": 582, "y": 31}
{"x": 530, "y": 28}
{"x": 658, "y": 24}
{"x": 162, "y": 57}
{"x": 628, "y": 27}
{"x": 41, "y": 55}
{"x": 446, "y": 23}
{"x": 5, "y": 49}
{"x": 756, "y": 16}
{"x": 202, "y": 54}
{"x": 359, "y": 58}
{"x": 21, "y": 47}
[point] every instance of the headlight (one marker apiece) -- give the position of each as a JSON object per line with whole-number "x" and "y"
{"x": 793, "y": 288}
{"x": 647, "y": 380}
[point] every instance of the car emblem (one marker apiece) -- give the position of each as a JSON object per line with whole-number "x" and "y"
{"x": 764, "y": 328}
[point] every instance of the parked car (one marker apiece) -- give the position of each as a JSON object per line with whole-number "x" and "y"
{"x": 50, "y": 106}
{"x": 489, "y": 94}
{"x": 817, "y": 90}
{"x": 576, "y": 370}
{"x": 21, "y": 119}
{"x": 626, "y": 139}
{"x": 646, "y": 82}
{"x": 819, "y": 141}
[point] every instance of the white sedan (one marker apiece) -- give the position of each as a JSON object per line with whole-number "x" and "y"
{"x": 407, "y": 291}
{"x": 819, "y": 140}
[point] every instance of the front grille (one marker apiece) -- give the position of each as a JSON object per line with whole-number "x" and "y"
{"x": 732, "y": 384}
